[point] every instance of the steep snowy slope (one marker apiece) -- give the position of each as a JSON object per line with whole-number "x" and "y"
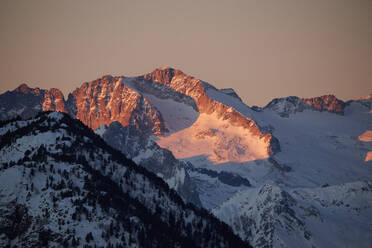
{"x": 215, "y": 187}
{"x": 61, "y": 185}
{"x": 329, "y": 216}
{"x": 177, "y": 115}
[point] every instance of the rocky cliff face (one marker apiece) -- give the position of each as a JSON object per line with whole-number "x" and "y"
{"x": 109, "y": 99}
{"x": 54, "y": 101}
{"x": 51, "y": 100}
{"x": 27, "y": 102}
{"x": 326, "y": 103}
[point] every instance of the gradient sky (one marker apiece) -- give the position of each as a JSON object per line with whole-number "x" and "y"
{"x": 263, "y": 49}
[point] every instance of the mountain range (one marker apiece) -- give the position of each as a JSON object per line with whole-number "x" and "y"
{"x": 63, "y": 186}
{"x": 295, "y": 173}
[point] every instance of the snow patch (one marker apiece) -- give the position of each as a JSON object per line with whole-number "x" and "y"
{"x": 176, "y": 115}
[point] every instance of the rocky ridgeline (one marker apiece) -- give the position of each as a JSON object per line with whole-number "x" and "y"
{"x": 109, "y": 99}
{"x": 197, "y": 90}
{"x": 121, "y": 99}
{"x": 26, "y": 102}
{"x": 293, "y": 104}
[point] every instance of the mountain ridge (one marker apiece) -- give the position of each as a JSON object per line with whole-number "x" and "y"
{"x": 205, "y": 142}
{"x": 164, "y": 75}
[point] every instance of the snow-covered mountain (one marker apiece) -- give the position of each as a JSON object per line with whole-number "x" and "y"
{"x": 223, "y": 123}
{"x": 328, "y": 216}
{"x": 261, "y": 170}
{"x": 61, "y": 185}
{"x": 167, "y": 110}
{"x": 323, "y": 141}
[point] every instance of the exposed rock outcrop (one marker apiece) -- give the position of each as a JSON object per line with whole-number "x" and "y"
{"x": 293, "y": 104}
{"x": 54, "y": 101}
{"x": 109, "y": 99}
{"x": 326, "y": 103}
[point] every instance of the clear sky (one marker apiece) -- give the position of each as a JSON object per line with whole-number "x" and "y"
{"x": 261, "y": 48}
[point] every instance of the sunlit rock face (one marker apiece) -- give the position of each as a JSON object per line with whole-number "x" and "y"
{"x": 54, "y": 101}
{"x": 109, "y": 99}
{"x": 326, "y": 103}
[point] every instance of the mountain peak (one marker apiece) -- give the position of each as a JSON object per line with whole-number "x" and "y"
{"x": 163, "y": 74}
{"x": 293, "y": 104}
{"x": 24, "y": 88}
{"x": 328, "y": 103}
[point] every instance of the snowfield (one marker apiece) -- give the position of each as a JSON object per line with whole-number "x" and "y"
{"x": 217, "y": 139}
